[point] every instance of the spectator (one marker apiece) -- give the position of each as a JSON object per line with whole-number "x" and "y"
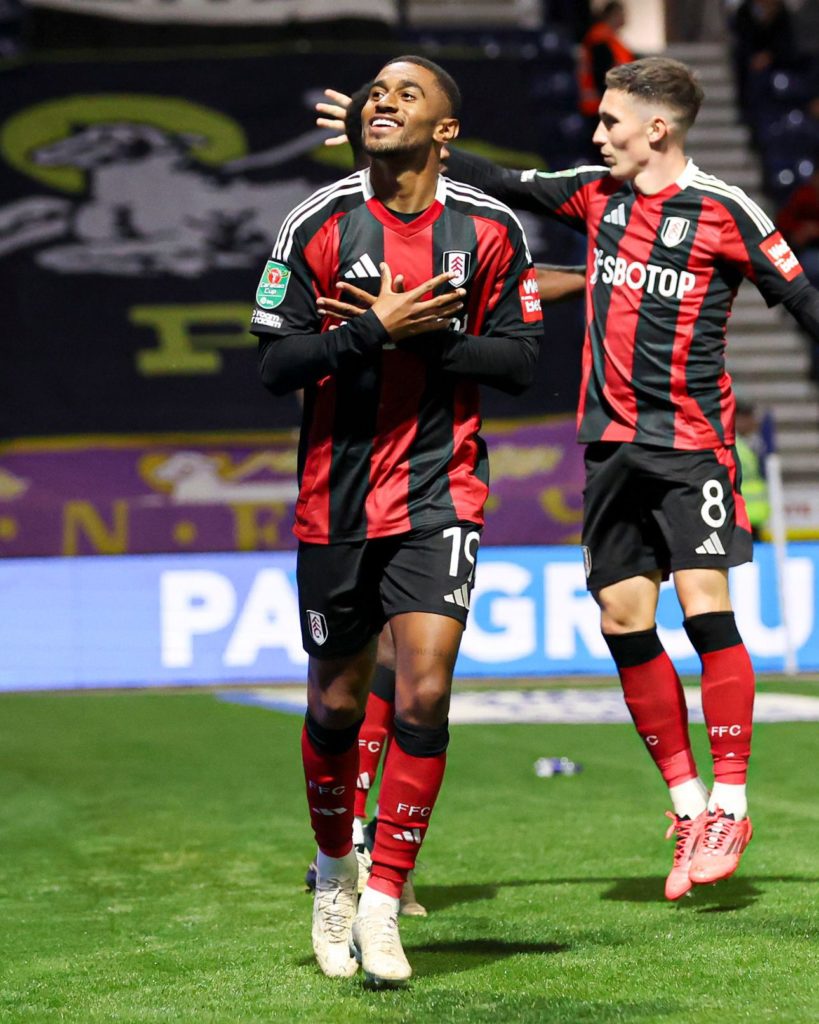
{"x": 750, "y": 451}
{"x": 763, "y": 42}
{"x": 798, "y": 220}
{"x": 600, "y": 50}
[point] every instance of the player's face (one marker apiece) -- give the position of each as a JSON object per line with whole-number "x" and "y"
{"x": 405, "y": 112}
{"x": 624, "y": 134}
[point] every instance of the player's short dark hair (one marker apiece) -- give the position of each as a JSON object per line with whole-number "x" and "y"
{"x": 610, "y": 8}
{"x": 447, "y": 84}
{"x": 660, "y": 80}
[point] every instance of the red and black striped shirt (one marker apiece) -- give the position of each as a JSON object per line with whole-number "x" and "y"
{"x": 662, "y": 272}
{"x": 389, "y": 438}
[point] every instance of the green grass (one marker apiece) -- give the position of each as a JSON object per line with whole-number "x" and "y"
{"x": 153, "y": 847}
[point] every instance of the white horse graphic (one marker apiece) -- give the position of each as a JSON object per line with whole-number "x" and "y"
{"x": 152, "y": 208}
{"x": 195, "y": 480}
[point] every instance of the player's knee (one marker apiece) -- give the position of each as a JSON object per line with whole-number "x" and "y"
{"x": 702, "y": 591}
{"x": 618, "y": 617}
{"x": 337, "y": 707}
{"x": 629, "y": 605}
{"x": 425, "y": 702}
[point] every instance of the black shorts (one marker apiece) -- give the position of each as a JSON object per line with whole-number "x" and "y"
{"x": 348, "y": 591}
{"x": 648, "y": 508}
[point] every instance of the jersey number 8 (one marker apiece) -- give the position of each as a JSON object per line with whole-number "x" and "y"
{"x": 713, "y": 509}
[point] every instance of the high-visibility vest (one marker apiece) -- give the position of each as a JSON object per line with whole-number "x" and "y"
{"x": 621, "y": 54}
{"x": 754, "y": 486}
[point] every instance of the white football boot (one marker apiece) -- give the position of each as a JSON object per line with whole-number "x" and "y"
{"x": 334, "y": 907}
{"x": 376, "y": 945}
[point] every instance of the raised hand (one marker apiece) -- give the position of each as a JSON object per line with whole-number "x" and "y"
{"x": 405, "y": 314}
{"x": 336, "y": 116}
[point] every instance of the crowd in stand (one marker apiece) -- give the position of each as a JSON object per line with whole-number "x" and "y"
{"x": 778, "y": 90}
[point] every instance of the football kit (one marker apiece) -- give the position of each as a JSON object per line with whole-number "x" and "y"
{"x": 390, "y": 442}
{"x": 662, "y": 272}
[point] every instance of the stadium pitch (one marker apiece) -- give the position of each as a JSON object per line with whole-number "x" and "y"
{"x": 154, "y": 846}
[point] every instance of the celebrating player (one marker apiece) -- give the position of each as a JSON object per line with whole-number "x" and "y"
{"x": 376, "y": 729}
{"x": 555, "y": 283}
{"x": 392, "y": 471}
{"x": 668, "y": 246}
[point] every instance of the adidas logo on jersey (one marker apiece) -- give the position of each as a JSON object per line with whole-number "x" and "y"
{"x": 459, "y": 596}
{"x": 616, "y": 216}
{"x": 409, "y": 835}
{"x": 711, "y": 546}
{"x": 363, "y": 267}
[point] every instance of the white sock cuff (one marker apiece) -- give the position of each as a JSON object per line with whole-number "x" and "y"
{"x": 689, "y": 798}
{"x": 337, "y": 867}
{"x": 372, "y": 898}
{"x": 730, "y": 798}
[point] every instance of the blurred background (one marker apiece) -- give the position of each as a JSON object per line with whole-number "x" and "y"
{"x": 149, "y": 150}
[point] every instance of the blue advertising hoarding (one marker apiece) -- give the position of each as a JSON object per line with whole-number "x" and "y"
{"x": 186, "y": 619}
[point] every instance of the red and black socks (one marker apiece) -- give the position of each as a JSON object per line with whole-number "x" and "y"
{"x": 330, "y": 758}
{"x": 727, "y": 704}
{"x": 655, "y": 699}
{"x": 375, "y": 734}
{"x": 412, "y": 777}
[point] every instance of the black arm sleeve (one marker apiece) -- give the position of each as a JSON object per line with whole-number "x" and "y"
{"x": 571, "y": 268}
{"x": 291, "y": 361}
{"x": 506, "y": 363}
{"x": 804, "y": 308}
{"x": 497, "y": 181}
{"x": 560, "y": 194}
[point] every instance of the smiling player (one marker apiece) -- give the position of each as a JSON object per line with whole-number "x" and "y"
{"x": 392, "y": 471}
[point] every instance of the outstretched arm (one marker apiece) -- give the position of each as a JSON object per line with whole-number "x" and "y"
{"x": 556, "y": 284}
{"x": 804, "y": 308}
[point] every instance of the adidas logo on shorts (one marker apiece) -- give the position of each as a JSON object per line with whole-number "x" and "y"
{"x": 459, "y": 596}
{"x": 711, "y": 546}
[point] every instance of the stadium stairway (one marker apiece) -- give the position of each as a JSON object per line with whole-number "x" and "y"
{"x": 768, "y": 355}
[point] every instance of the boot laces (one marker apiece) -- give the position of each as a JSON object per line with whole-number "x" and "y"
{"x": 335, "y": 905}
{"x": 682, "y": 826}
{"x": 382, "y": 929}
{"x": 717, "y": 831}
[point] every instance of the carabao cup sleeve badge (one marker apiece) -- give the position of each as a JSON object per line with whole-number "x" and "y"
{"x": 273, "y": 285}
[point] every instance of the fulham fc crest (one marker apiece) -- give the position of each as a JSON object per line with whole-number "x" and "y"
{"x": 674, "y": 230}
{"x": 318, "y": 626}
{"x": 457, "y": 262}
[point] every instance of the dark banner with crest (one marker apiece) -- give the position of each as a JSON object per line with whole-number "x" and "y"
{"x": 138, "y": 202}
